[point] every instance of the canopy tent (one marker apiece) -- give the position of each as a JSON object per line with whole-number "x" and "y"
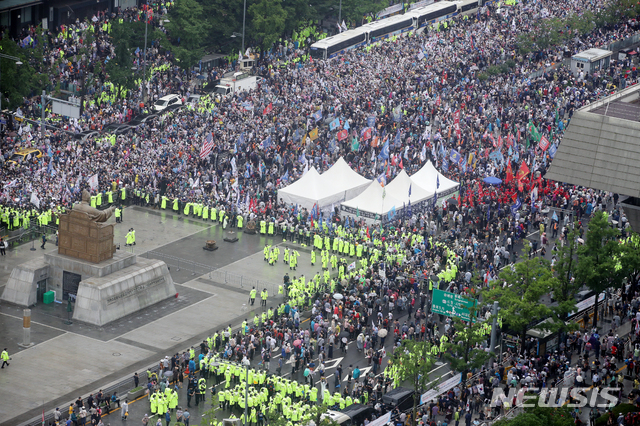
{"x": 400, "y": 185}
{"x": 337, "y": 184}
{"x": 306, "y": 191}
{"x": 341, "y": 179}
{"x": 371, "y": 204}
{"x": 428, "y": 178}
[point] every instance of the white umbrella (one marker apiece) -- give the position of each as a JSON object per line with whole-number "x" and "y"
{"x": 382, "y": 332}
{"x": 338, "y": 296}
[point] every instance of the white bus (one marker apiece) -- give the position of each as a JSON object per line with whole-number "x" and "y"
{"x": 433, "y": 13}
{"x": 336, "y": 45}
{"x": 468, "y": 7}
{"x": 384, "y": 28}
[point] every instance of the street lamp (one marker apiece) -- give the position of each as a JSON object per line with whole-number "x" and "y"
{"x": 18, "y": 62}
{"x": 244, "y": 15}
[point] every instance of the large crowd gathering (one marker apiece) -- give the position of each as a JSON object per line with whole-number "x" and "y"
{"x": 425, "y": 97}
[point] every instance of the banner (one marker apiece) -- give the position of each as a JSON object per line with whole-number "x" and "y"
{"x": 544, "y": 143}
{"x": 342, "y": 135}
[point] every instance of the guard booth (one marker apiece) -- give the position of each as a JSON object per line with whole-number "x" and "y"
{"x": 547, "y": 341}
{"x": 590, "y": 61}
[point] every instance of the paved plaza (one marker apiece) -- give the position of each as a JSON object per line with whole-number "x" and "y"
{"x": 71, "y": 360}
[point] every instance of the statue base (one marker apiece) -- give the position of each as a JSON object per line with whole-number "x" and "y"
{"x": 103, "y": 292}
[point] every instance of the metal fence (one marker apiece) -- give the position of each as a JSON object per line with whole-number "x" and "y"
{"x": 213, "y": 274}
{"x": 624, "y": 43}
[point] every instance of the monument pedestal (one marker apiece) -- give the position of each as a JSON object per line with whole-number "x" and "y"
{"x": 104, "y": 292}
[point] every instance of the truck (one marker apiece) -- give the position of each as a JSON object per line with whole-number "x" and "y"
{"x": 238, "y": 82}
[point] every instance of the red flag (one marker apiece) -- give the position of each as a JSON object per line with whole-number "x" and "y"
{"x": 509, "y": 177}
{"x": 268, "y": 109}
{"x": 366, "y": 135}
{"x": 401, "y": 166}
{"x": 544, "y": 143}
{"x": 342, "y": 134}
{"x": 500, "y": 142}
{"x": 523, "y": 172}
{"x": 518, "y": 135}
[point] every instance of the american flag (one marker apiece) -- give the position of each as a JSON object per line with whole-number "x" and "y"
{"x": 207, "y": 146}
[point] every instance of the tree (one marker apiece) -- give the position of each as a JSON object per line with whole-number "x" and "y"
{"x": 518, "y": 291}
{"x": 598, "y": 259}
{"x": 188, "y": 29}
{"x": 23, "y": 80}
{"x": 412, "y": 361}
{"x": 267, "y": 22}
{"x": 462, "y": 351}
{"x": 540, "y": 416}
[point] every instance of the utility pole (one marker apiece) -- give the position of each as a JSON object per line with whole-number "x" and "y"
{"x": 244, "y": 15}
{"x": 494, "y": 327}
{"x": 44, "y": 104}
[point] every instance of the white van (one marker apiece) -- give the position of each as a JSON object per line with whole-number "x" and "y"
{"x": 167, "y": 101}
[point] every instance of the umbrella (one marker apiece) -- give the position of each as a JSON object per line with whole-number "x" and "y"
{"x": 382, "y": 332}
{"x": 338, "y": 296}
{"x": 452, "y": 201}
{"x": 491, "y": 180}
{"x": 297, "y": 342}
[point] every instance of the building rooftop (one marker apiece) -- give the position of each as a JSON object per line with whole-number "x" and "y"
{"x": 592, "y": 54}
{"x": 601, "y": 148}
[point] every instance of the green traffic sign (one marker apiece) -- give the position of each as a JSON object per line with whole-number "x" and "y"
{"x": 451, "y": 304}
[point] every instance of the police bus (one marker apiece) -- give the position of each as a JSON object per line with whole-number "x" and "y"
{"x": 336, "y": 45}
{"x": 433, "y": 13}
{"x": 389, "y": 27}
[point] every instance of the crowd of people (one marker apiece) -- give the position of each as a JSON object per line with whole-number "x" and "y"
{"x": 425, "y": 96}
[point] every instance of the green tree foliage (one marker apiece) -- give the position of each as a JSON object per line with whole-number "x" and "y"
{"x": 188, "y": 28}
{"x": 130, "y": 36}
{"x": 412, "y": 361}
{"x": 19, "y": 81}
{"x": 268, "y": 19}
{"x": 540, "y": 416}
{"x": 462, "y": 351}
{"x": 599, "y": 266}
{"x": 519, "y": 298}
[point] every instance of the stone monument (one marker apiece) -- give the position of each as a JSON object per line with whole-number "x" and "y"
{"x": 107, "y": 285}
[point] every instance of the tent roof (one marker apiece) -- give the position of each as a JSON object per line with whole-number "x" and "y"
{"x": 399, "y": 187}
{"x": 427, "y": 178}
{"x": 342, "y": 177}
{"x": 308, "y": 186}
{"x": 371, "y": 200}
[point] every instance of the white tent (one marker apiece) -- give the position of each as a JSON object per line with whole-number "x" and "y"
{"x": 340, "y": 179}
{"x": 371, "y": 204}
{"x": 400, "y": 185}
{"x": 428, "y": 178}
{"x": 306, "y": 191}
{"x": 334, "y": 186}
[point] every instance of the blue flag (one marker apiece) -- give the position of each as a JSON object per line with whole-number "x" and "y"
{"x": 516, "y": 206}
{"x": 555, "y": 216}
{"x": 266, "y": 143}
{"x": 334, "y": 124}
{"x": 396, "y": 141}
{"x": 454, "y": 156}
{"x": 435, "y": 199}
{"x": 241, "y": 140}
{"x": 409, "y": 192}
{"x": 437, "y": 181}
{"x": 285, "y": 177}
{"x": 346, "y": 125}
{"x": 552, "y": 150}
{"x": 384, "y": 154}
{"x": 371, "y": 121}
{"x": 318, "y": 115}
{"x": 392, "y": 213}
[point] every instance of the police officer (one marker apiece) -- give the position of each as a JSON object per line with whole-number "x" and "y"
{"x": 263, "y": 297}
{"x": 252, "y": 295}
